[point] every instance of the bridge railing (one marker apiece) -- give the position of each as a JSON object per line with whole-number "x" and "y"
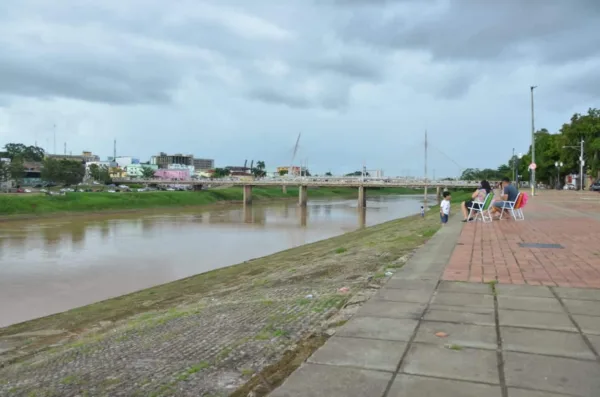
{"x": 321, "y": 181}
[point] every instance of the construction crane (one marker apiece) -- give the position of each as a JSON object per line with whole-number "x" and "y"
{"x": 291, "y": 169}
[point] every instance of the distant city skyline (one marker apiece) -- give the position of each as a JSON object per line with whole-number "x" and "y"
{"x": 233, "y": 80}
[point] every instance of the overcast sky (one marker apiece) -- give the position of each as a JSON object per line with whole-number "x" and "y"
{"x": 360, "y": 79}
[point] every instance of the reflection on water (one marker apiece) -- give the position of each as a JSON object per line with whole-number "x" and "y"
{"x": 56, "y": 264}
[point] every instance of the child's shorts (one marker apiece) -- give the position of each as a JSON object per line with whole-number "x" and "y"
{"x": 444, "y": 218}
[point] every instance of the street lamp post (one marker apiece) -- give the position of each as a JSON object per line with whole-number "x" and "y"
{"x": 581, "y": 161}
{"x": 532, "y": 142}
{"x": 558, "y": 165}
{"x": 519, "y": 157}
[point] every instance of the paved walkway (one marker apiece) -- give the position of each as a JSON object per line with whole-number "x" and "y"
{"x": 422, "y": 337}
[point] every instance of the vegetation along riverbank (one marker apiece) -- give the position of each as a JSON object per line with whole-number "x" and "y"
{"x": 231, "y": 331}
{"x": 37, "y": 204}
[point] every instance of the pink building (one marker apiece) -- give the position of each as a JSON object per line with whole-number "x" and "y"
{"x": 172, "y": 174}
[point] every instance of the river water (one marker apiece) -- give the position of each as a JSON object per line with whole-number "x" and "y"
{"x": 52, "y": 265}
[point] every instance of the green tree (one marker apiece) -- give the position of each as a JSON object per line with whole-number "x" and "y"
{"x": 328, "y": 174}
{"x": 283, "y": 172}
{"x": 16, "y": 170}
{"x": 66, "y": 172}
{"x": 221, "y": 173}
{"x": 4, "y": 171}
{"x": 19, "y": 150}
{"x": 148, "y": 173}
{"x": 357, "y": 173}
{"x": 259, "y": 170}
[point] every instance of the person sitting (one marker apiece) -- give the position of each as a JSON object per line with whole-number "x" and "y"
{"x": 478, "y": 195}
{"x": 509, "y": 195}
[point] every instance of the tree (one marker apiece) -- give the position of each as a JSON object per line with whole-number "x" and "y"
{"x": 19, "y": 150}
{"x": 148, "y": 173}
{"x": 4, "y": 171}
{"x": 221, "y": 173}
{"x": 259, "y": 170}
{"x": 67, "y": 172}
{"x": 283, "y": 172}
{"x": 16, "y": 169}
{"x": 357, "y": 173}
{"x": 328, "y": 174}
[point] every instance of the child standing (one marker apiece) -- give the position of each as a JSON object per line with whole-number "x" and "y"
{"x": 422, "y": 212}
{"x": 445, "y": 208}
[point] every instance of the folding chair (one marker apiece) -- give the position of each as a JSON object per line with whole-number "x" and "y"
{"x": 482, "y": 209}
{"x": 511, "y": 206}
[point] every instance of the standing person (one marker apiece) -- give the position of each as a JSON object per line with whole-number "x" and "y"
{"x": 509, "y": 193}
{"x": 445, "y": 207}
{"x": 477, "y": 197}
{"x": 422, "y": 212}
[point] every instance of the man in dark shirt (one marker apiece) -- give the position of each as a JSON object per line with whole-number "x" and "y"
{"x": 509, "y": 194}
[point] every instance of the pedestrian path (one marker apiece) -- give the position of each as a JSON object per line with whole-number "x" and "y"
{"x": 423, "y": 337}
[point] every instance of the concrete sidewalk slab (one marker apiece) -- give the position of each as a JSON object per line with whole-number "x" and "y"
{"x": 588, "y": 324}
{"x": 589, "y": 308}
{"x": 541, "y": 320}
{"x": 362, "y": 353}
{"x": 378, "y": 308}
{"x": 399, "y": 295}
{"x": 529, "y": 303}
{"x": 557, "y": 343}
{"x": 439, "y": 361}
{"x": 461, "y": 317}
{"x": 464, "y": 300}
{"x": 467, "y": 288}
{"x": 313, "y": 380}
{"x": 379, "y": 328}
{"x": 458, "y": 335}
{"x": 400, "y": 283}
{"x": 553, "y": 374}
{"x": 523, "y": 290}
{"x": 421, "y": 386}
{"x": 578, "y": 293}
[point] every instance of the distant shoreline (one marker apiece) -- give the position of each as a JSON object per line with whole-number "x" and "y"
{"x": 25, "y": 207}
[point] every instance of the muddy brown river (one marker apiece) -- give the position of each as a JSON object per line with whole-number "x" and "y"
{"x": 52, "y": 265}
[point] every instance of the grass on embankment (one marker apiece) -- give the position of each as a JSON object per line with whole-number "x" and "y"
{"x": 395, "y": 237}
{"x": 89, "y": 202}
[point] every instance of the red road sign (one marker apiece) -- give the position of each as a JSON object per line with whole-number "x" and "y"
{"x": 532, "y": 166}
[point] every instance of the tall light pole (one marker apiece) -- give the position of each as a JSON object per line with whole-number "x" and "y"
{"x": 519, "y": 157}
{"x": 532, "y": 142}
{"x": 513, "y": 164}
{"x": 558, "y": 165}
{"x": 581, "y": 161}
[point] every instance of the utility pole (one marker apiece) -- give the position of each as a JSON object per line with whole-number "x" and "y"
{"x": 532, "y": 142}
{"x": 54, "y": 147}
{"x": 65, "y": 149}
{"x": 581, "y": 163}
{"x": 115, "y": 150}
{"x": 513, "y": 164}
{"x": 425, "y": 191}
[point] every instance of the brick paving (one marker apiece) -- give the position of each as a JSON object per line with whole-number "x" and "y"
{"x": 491, "y": 252}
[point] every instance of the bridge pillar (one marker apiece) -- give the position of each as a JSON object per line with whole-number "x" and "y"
{"x": 362, "y": 197}
{"x": 284, "y": 189}
{"x": 302, "y": 195}
{"x": 197, "y": 187}
{"x": 247, "y": 194}
{"x": 438, "y": 194}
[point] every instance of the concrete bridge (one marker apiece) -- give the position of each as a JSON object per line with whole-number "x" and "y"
{"x": 362, "y": 184}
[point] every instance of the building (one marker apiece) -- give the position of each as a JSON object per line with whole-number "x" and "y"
{"x": 84, "y": 157}
{"x": 124, "y": 161}
{"x": 33, "y": 173}
{"x": 286, "y": 170}
{"x": 137, "y": 170}
{"x": 173, "y": 174}
{"x": 204, "y": 164}
{"x": 163, "y": 160}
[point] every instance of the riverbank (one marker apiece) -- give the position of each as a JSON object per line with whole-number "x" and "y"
{"x": 28, "y": 206}
{"x": 211, "y": 333}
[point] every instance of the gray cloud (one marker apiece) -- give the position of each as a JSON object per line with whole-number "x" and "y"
{"x": 271, "y": 96}
{"x": 467, "y": 30}
{"x": 350, "y": 66}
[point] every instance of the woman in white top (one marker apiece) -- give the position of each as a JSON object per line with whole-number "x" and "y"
{"x": 477, "y": 197}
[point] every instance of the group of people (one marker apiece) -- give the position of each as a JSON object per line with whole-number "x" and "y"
{"x": 508, "y": 193}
